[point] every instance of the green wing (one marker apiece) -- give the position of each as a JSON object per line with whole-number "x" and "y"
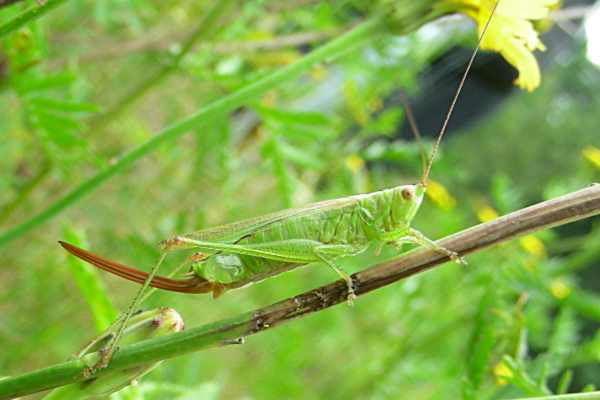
{"x": 236, "y": 230}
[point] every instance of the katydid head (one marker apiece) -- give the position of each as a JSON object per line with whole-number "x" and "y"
{"x": 406, "y": 202}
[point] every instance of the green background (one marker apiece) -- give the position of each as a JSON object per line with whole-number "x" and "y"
{"x": 330, "y": 133}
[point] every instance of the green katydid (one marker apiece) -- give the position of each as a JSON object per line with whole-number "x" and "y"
{"x": 237, "y": 254}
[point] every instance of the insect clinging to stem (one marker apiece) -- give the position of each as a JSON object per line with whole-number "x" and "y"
{"x": 240, "y": 253}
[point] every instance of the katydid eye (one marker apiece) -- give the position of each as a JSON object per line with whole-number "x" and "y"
{"x": 407, "y": 194}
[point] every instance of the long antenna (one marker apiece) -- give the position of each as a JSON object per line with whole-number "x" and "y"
{"x": 455, "y": 99}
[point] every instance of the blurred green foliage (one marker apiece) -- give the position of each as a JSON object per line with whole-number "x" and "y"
{"x": 522, "y": 319}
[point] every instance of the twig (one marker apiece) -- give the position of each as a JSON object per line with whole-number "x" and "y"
{"x": 571, "y": 207}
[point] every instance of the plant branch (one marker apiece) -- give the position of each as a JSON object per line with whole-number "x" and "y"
{"x": 32, "y": 13}
{"x": 568, "y": 208}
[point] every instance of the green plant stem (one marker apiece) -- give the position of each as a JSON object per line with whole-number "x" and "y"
{"x": 208, "y": 24}
{"x": 31, "y": 14}
{"x": 202, "y": 117}
{"x": 575, "y": 206}
{"x": 574, "y": 396}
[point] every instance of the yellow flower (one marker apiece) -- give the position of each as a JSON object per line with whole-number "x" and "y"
{"x": 533, "y": 246}
{"x": 440, "y": 195}
{"x": 486, "y": 213}
{"x": 559, "y": 289}
{"x": 511, "y": 32}
{"x": 502, "y": 373}
{"x": 592, "y": 154}
{"x": 354, "y": 163}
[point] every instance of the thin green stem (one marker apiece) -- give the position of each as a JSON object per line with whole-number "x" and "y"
{"x": 575, "y": 206}
{"x": 202, "y": 117}
{"x": 32, "y": 13}
{"x": 574, "y": 396}
{"x": 206, "y": 25}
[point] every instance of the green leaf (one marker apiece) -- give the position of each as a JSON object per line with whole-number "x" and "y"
{"x": 387, "y": 122}
{"x": 563, "y": 340}
{"x": 564, "y": 382}
{"x": 304, "y": 133}
{"x": 298, "y": 156}
{"x": 53, "y": 121}
{"x": 50, "y": 104}
{"x": 64, "y": 139}
{"x": 289, "y": 117}
{"x": 521, "y": 378}
{"x": 45, "y": 82}
{"x": 482, "y": 340}
{"x": 587, "y": 352}
{"x": 585, "y": 303}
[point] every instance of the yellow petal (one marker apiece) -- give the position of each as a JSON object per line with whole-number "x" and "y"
{"x": 440, "y": 195}
{"x": 559, "y": 289}
{"x": 354, "y": 163}
{"x": 502, "y": 373}
{"x": 510, "y": 32}
{"x": 592, "y": 154}
{"x": 515, "y": 40}
{"x": 486, "y": 213}
{"x": 536, "y": 9}
{"x": 533, "y": 246}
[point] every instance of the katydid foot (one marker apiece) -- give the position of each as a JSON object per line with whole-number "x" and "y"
{"x": 417, "y": 237}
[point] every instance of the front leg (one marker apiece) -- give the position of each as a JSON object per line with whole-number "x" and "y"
{"x": 416, "y": 237}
